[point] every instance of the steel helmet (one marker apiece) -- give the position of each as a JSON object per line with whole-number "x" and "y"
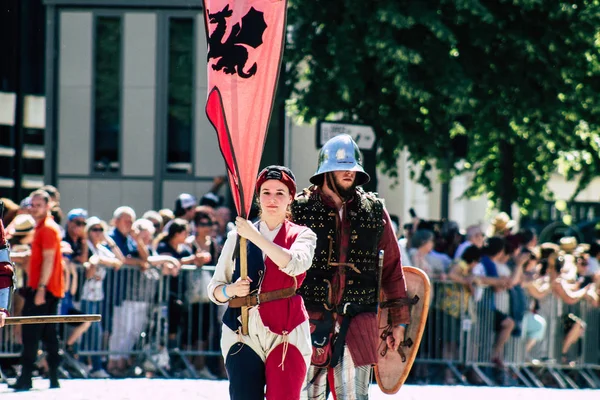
{"x": 340, "y": 153}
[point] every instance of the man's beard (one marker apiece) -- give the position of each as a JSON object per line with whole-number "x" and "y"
{"x": 344, "y": 193}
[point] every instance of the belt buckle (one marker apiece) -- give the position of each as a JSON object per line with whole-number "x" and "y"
{"x": 257, "y": 298}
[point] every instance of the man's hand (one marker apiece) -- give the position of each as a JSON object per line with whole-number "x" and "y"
{"x": 65, "y": 248}
{"x": 2, "y": 318}
{"x": 393, "y": 341}
{"x": 40, "y": 297}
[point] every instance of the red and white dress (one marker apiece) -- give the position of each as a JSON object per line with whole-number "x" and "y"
{"x": 277, "y": 350}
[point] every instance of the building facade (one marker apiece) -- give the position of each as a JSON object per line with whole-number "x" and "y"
{"x": 22, "y": 101}
{"x": 126, "y": 91}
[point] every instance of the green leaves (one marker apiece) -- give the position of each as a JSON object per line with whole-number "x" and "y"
{"x": 521, "y": 72}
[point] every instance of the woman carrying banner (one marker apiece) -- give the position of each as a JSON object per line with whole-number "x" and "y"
{"x": 276, "y": 351}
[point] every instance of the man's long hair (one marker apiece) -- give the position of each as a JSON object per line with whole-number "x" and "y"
{"x": 342, "y": 193}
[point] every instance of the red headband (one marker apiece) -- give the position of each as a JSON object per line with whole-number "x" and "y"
{"x": 278, "y": 174}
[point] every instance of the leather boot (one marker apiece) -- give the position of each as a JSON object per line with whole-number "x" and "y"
{"x": 53, "y": 375}
{"x": 23, "y": 383}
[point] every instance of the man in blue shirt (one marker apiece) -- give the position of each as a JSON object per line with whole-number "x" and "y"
{"x": 136, "y": 255}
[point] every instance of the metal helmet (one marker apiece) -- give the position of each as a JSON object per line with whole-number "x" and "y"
{"x": 340, "y": 153}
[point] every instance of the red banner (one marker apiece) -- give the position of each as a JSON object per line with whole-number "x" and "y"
{"x": 245, "y": 46}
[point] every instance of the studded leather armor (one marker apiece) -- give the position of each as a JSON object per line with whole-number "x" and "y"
{"x": 365, "y": 214}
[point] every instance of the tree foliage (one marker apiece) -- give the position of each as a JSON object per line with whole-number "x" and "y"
{"x": 517, "y": 80}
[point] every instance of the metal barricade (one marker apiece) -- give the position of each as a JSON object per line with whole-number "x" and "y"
{"x": 194, "y": 323}
{"x": 166, "y": 325}
{"x": 461, "y": 334}
{"x": 159, "y": 323}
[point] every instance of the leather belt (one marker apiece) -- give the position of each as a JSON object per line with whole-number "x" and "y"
{"x": 400, "y": 302}
{"x": 258, "y": 298}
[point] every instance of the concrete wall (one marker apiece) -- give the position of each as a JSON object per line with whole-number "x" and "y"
{"x": 140, "y": 142}
{"x": 138, "y": 134}
{"x": 75, "y": 93}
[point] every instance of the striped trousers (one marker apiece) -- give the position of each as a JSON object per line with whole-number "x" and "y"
{"x": 350, "y": 382}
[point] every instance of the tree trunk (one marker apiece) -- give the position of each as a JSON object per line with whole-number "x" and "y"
{"x": 507, "y": 177}
{"x": 370, "y": 166}
{"x": 445, "y": 196}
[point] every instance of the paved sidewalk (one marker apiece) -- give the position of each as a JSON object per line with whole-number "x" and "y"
{"x": 156, "y": 389}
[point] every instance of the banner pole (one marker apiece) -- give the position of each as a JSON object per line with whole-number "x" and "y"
{"x": 244, "y": 275}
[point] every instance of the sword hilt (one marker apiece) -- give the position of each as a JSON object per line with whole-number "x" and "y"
{"x": 380, "y": 272}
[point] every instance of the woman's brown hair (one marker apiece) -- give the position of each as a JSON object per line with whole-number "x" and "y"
{"x": 174, "y": 227}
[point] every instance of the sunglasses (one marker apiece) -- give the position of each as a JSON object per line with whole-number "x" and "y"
{"x": 97, "y": 230}
{"x": 79, "y": 223}
{"x": 205, "y": 224}
{"x": 157, "y": 227}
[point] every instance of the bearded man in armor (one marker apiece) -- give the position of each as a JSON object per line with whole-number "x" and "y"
{"x": 342, "y": 288}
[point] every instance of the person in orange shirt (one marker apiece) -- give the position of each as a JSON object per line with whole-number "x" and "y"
{"x": 45, "y": 287}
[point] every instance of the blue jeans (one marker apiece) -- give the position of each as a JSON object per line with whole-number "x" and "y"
{"x": 92, "y": 339}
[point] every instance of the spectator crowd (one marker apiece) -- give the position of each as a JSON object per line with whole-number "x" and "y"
{"x": 505, "y": 277}
{"x": 114, "y": 268}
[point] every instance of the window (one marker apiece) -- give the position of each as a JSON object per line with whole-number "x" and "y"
{"x": 180, "y": 91}
{"x": 107, "y": 95}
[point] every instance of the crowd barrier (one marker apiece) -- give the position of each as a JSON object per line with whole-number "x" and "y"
{"x": 460, "y": 335}
{"x": 167, "y": 326}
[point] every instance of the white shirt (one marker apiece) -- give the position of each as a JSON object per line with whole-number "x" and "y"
{"x": 501, "y": 298}
{"x": 593, "y": 266}
{"x": 404, "y": 257}
{"x": 92, "y": 288}
{"x": 302, "y": 250}
{"x": 461, "y": 249}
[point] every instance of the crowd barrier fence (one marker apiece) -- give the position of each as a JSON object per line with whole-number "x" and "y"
{"x": 167, "y": 326}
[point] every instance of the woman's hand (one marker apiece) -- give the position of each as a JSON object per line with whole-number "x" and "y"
{"x": 202, "y": 258}
{"x": 246, "y": 229}
{"x": 170, "y": 269}
{"x": 240, "y": 288}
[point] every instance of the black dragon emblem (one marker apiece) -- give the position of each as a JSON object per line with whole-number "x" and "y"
{"x": 232, "y": 55}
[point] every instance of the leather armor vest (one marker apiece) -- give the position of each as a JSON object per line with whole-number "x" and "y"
{"x": 365, "y": 214}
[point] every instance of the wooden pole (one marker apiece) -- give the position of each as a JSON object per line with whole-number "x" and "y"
{"x": 244, "y": 275}
{"x": 52, "y": 319}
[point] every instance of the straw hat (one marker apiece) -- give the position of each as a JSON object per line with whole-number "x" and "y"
{"x": 568, "y": 244}
{"x": 583, "y": 248}
{"x": 22, "y": 225}
{"x": 500, "y": 223}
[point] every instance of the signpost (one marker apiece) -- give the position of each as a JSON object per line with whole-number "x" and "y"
{"x": 363, "y": 135}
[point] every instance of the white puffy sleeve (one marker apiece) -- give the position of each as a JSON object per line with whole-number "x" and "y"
{"x": 225, "y": 266}
{"x": 302, "y": 251}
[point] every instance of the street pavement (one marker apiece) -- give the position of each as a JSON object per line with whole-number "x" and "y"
{"x": 151, "y": 389}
